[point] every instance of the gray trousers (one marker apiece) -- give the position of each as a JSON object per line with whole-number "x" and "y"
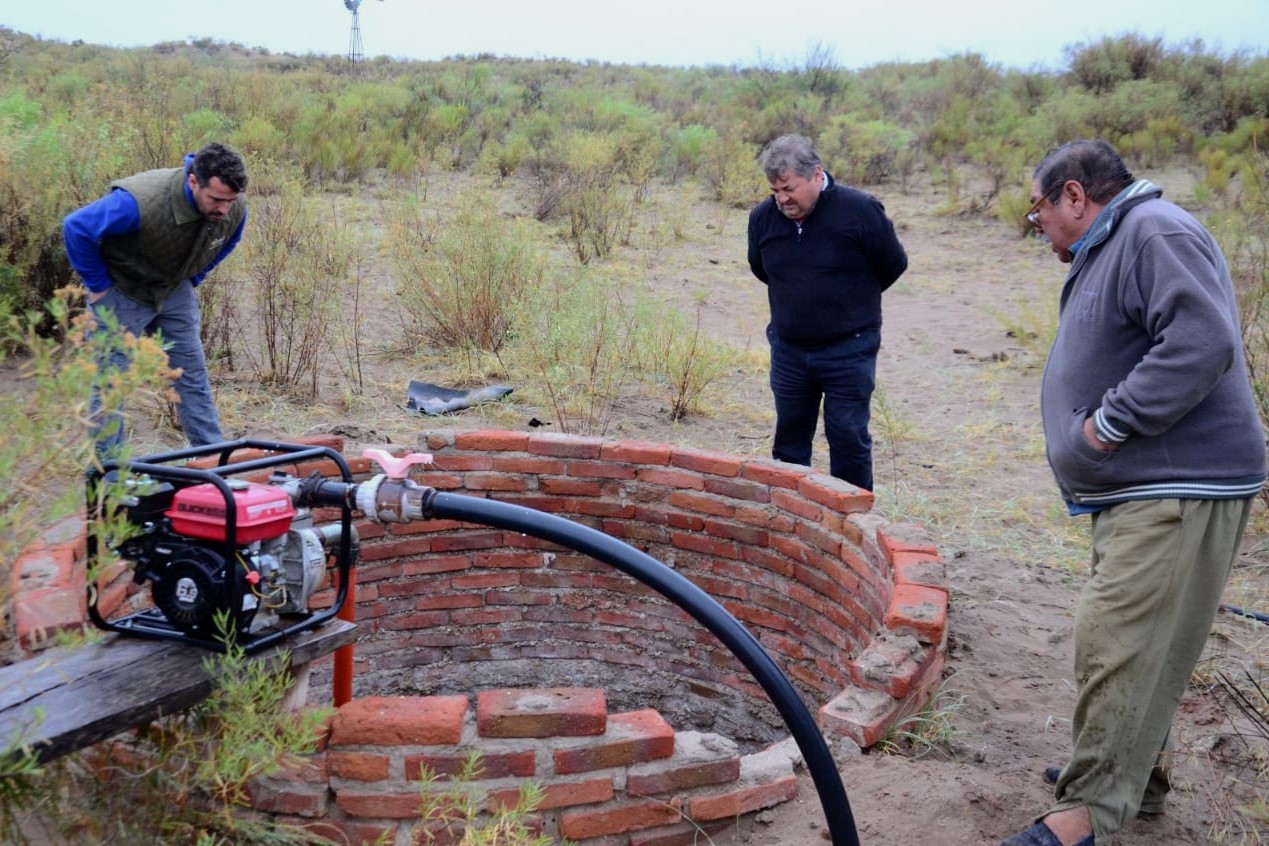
{"x": 177, "y": 322}
{"x": 1159, "y": 568}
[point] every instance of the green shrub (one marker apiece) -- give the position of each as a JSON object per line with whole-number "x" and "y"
{"x": 679, "y": 360}
{"x": 577, "y": 341}
{"x": 296, "y": 263}
{"x": 863, "y": 152}
{"x": 460, "y": 285}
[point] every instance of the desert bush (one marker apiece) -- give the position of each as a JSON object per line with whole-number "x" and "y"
{"x": 1102, "y": 67}
{"x": 688, "y": 148}
{"x": 680, "y": 361}
{"x": 455, "y": 811}
{"x": 48, "y": 167}
{"x": 577, "y": 342}
{"x": 460, "y": 285}
{"x": 732, "y": 174}
{"x": 46, "y": 421}
{"x": 295, "y": 262}
{"x": 1158, "y": 143}
{"x": 1243, "y": 233}
{"x": 186, "y": 778}
{"x": 863, "y": 152}
{"x": 600, "y": 213}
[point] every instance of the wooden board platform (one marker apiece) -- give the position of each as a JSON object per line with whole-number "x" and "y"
{"x": 67, "y": 699}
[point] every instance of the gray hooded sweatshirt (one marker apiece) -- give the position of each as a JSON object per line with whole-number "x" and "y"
{"x": 1148, "y": 344}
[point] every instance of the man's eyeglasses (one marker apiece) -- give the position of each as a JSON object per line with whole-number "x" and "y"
{"x": 1032, "y": 216}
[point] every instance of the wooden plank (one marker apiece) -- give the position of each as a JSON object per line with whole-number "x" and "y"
{"x": 66, "y": 699}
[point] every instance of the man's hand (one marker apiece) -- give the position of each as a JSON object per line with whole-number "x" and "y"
{"x": 1090, "y": 436}
{"x": 94, "y": 296}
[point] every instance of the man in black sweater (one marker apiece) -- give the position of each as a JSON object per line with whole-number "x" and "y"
{"x": 825, "y": 252}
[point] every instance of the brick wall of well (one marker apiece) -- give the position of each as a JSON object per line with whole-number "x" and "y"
{"x": 852, "y": 608}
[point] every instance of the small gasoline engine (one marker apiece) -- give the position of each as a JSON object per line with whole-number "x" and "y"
{"x": 227, "y": 557}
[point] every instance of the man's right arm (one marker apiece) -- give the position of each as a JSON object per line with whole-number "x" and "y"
{"x": 755, "y": 255}
{"x": 114, "y": 214}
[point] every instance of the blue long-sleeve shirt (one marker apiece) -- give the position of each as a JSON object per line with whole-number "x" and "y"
{"x": 113, "y": 215}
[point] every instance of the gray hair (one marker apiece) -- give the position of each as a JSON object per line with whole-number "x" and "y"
{"x": 1094, "y": 164}
{"x": 789, "y": 153}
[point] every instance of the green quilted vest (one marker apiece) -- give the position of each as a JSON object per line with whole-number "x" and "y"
{"x": 174, "y": 241}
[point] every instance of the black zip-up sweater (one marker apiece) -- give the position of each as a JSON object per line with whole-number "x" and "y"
{"x": 824, "y": 280}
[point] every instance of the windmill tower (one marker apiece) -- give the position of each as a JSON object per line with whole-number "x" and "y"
{"x": 355, "y": 54}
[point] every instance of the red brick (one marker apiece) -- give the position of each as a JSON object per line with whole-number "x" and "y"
{"x": 492, "y": 440}
{"x": 602, "y": 470}
{"x": 636, "y": 452}
{"x": 743, "y": 801}
{"x": 438, "y": 833}
{"x": 705, "y": 461}
{"x": 579, "y": 825}
{"x": 39, "y": 614}
{"x": 47, "y": 565}
{"x": 632, "y": 737}
{"x": 570, "y": 487}
{"x": 492, "y": 765}
{"x": 559, "y": 794}
{"x": 307, "y": 769}
{"x": 529, "y": 465}
{"x": 347, "y": 832}
{"x": 475, "y": 540}
{"x": 918, "y": 568}
{"x": 550, "y": 712}
{"x": 281, "y": 797}
{"x": 688, "y": 501}
{"x": 671, "y": 478}
{"x": 683, "y": 834}
{"x": 565, "y": 446}
{"x": 359, "y": 766}
{"x": 706, "y": 545}
{"x": 399, "y": 720}
{"x": 797, "y": 505}
{"x": 495, "y": 482}
{"x": 378, "y": 804}
{"x": 776, "y": 475}
{"x": 668, "y": 777}
{"x": 919, "y": 610}
{"x": 461, "y": 463}
{"x": 840, "y": 496}
{"x": 745, "y": 491}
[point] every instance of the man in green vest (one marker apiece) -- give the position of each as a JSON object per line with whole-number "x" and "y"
{"x": 142, "y": 249}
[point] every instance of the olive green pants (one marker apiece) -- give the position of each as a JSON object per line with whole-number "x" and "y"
{"x": 1158, "y": 570}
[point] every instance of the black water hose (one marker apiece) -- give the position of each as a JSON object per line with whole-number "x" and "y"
{"x": 704, "y": 608}
{"x": 1251, "y": 615}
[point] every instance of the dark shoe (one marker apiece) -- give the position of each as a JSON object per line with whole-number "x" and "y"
{"x": 1052, "y": 774}
{"x": 1040, "y": 835}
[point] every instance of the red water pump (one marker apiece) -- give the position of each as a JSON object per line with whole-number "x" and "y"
{"x": 224, "y": 556}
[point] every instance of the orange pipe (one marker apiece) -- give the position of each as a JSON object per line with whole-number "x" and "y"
{"x": 342, "y": 677}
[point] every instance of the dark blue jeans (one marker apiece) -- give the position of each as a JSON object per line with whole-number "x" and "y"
{"x": 843, "y": 375}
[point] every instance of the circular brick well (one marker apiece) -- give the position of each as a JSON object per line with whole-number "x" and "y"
{"x": 851, "y": 608}
{"x": 639, "y": 726}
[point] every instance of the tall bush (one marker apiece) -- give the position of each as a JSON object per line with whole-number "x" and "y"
{"x": 461, "y": 284}
{"x": 294, "y": 261}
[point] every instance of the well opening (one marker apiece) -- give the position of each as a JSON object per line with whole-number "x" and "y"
{"x": 795, "y": 556}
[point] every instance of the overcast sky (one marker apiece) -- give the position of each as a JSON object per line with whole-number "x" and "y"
{"x": 1012, "y": 33}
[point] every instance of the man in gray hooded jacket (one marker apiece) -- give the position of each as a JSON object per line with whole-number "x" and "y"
{"x": 1150, "y": 427}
